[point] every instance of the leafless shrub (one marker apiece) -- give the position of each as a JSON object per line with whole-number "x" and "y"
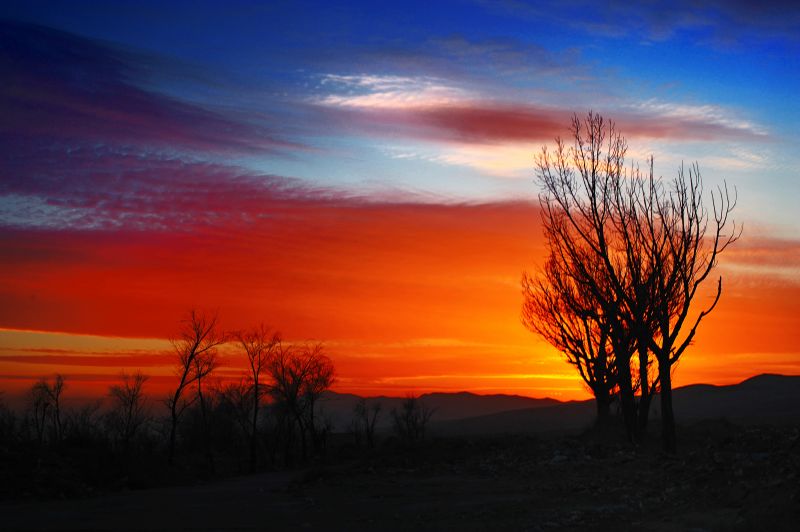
{"x": 411, "y": 421}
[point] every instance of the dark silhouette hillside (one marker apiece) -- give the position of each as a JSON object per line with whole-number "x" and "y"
{"x": 764, "y": 398}
{"x": 446, "y": 406}
{"x": 773, "y": 399}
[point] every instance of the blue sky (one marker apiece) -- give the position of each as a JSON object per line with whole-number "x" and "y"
{"x": 432, "y": 101}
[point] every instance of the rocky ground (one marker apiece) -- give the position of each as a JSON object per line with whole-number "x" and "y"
{"x": 725, "y": 477}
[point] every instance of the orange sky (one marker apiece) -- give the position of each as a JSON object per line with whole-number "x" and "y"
{"x": 406, "y": 297}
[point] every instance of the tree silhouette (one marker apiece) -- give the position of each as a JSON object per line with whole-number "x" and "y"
{"x": 259, "y": 345}
{"x": 411, "y": 421}
{"x": 682, "y": 265}
{"x": 196, "y": 355}
{"x": 299, "y": 376}
{"x": 365, "y": 417}
{"x": 636, "y": 249}
{"x": 319, "y": 377}
{"x": 46, "y": 405}
{"x": 577, "y": 212}
{"x": 128, "y": 411}
{"x": 39, "y": 408}
{"x": 566, "y": 317}
{"x": 235, "y": 402}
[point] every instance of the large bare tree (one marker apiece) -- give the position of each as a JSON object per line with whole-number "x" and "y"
{"x": 195, "y": 356}
{"x": 637, "y": 249}
{"x": 577, "y": 201}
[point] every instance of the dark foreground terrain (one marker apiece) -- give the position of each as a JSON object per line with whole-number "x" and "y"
{"x": 725, "y": 477}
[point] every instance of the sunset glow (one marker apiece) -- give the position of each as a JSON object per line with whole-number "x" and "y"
{"x": 364, "y": 187}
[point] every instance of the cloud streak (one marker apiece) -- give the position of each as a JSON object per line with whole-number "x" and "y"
{"x": 431, "y": 109}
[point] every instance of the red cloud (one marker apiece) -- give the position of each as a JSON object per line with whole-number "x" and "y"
{"x": 488, "y": 122}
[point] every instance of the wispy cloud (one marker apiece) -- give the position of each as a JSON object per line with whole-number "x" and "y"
{"x": 428, "y": 110}
{"x": 111, "y": 188}
{"x": 388, "y": 92}
{"x": 765, "y": 257}
{"x": 714, "y": 119}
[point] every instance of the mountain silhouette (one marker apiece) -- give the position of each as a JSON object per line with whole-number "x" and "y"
{"x": 766, "y": 398}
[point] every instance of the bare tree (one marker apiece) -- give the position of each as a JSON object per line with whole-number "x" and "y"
{"x": 693, "y": 245}
{"x": 204, "y": 366}
{"x": 319, "y": 377}
{"x": 128, "y": 409}
{"x": 83, "y": 424}
{"x": 636, "y": 248}
{"x": 365, "y": 417}
{"x": 411, "y": 421}
{"x": 287, "y": 377}
{"x": 570, "y": 320}
{"x": 46, "y": 405}
{"x": 577, "y": 202}
{"x": 260, "y": 345}
{"x": 299, "y": 376}
{"x": 39, "y": 409}
{"x": 236, "y": 398}
{"x": 196, "y": 356}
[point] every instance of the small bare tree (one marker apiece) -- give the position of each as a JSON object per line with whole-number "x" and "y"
{"x": 411, "y": 421}
{"x": 84, "y": 424}
{"x": 45, "y": 404}
{"x": 236, "y": 400}
{"x": 300, "y": 376}
{"x": 319, "y": 377}
{"x": 128, "y": 409}
{"x": 260, "y": 345}
{"x": 287, "y": 374}
{"x": 196, "y": 357}
{"x": 39, "y": 409}
{"x": 365, "y": 417}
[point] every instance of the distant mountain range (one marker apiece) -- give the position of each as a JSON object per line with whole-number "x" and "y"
{"x": 762, "y": 399}
{"x": 445, "y": 406}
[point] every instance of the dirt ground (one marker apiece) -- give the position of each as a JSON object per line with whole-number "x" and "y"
{"x": 724, "y": 478}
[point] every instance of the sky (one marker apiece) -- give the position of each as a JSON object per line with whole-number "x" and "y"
{"x": 362, "y": 174}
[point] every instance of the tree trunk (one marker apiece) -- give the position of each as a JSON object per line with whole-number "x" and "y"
{"x": 173, "y": 429}
{"x": 644, "y": 412}
{"x": 667, "y": 414}
{"x": 207, "y": 443}
{"x": 254, "y": 432}
{"x": 645, "y": 392}
{"x": 288, "y": 444}
{"x": 603, "y": 403}
{"x": 57, "y": 418}
{"x": 303, "y": 444}
{"x": 626, "y": 399}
